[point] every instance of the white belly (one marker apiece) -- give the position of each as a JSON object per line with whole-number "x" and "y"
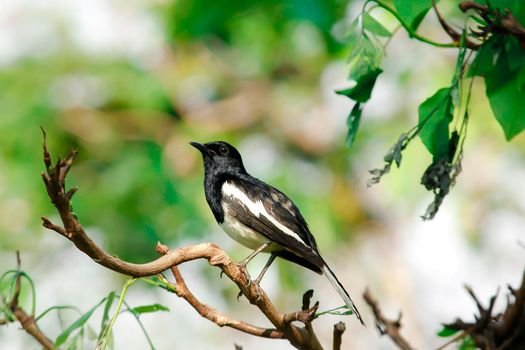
{"x": 243, "y": 234}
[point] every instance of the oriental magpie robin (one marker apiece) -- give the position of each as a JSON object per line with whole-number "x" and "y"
{"x": 259, "y": 216}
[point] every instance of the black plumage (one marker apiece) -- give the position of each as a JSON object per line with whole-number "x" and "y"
{"x": 258, "y": 215}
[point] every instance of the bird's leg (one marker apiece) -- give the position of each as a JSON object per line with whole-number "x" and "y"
{"x": 253, "y": 254}
{"x": 259, "y": 278}
{"x": 263, "y": 271}
{"x": 265, "y": 268}
{"x": 245, "y": 262}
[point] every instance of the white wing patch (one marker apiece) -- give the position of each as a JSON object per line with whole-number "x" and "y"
{"x": 257, "y": 208}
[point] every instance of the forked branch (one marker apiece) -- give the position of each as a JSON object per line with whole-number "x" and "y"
{"x": 387, "y": 326}
{"x": 301, "y": 337}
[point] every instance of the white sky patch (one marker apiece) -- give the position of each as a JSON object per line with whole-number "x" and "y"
{"x": 95, "y": 27}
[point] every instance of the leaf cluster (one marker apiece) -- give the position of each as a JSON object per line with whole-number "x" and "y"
{"x": 444, "y": 116}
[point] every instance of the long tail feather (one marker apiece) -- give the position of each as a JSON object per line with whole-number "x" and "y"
{"x": 341, "y": 290}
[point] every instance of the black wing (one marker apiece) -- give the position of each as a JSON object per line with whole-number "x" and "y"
{"x": 300, "y": 246}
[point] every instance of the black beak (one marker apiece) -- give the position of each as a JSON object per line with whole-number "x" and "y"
{"x": 200, "y": 146}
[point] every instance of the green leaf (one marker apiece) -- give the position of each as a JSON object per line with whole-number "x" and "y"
{"x": 520, "y": 79}
{"x": 148, "y": 308}
{"x": 373, "y": 26}
{"x": 352, "y": 122}
{"x": 506, "y": 96}
{"x": 455, "y": 88}
{"x": 515, "y": 53}
{"x": 468, "y": 344}
{"x": 364, "y": 58}
{"x": 501, "y": 61}
{"x": 412, "y": 11}
{"x": 435, "y": 114}
{"x": 347, "y": 34}
{"x": 77, "y": 324}
{"x": 335, "y": 311}
{"x": 136, "y": 316}
{"x": 486, "y": 57}
{"x": 364, "y": 85}
{"x": 447, "y": 332}
{"x": 57, "y": 307}
{"x": 107, "y": 307}
{"x": 479, "y": 20}
{"x": 105, "y": 316}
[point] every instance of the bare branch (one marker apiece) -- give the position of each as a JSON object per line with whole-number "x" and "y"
{"x": 502, "y": 331}
{"x": 27, "y": 322}
{"x": 452, "y": 33}
{"x": 208, "y": 312}
{"x": 49, "y": 225}
{"x": 301, "y": 337}
{"x": 304, "y": 316}
{"x": 386, "y": 326}
{"x": 505, "y": 22}
{"x": 339, "y": 329}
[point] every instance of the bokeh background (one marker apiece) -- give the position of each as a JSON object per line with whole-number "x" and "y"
{"x": 129, "y": 83}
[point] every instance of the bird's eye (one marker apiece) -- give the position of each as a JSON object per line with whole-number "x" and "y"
{"x": 223, "y": 149}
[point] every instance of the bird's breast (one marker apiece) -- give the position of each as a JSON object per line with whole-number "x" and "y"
{"x": 242, "y": 233}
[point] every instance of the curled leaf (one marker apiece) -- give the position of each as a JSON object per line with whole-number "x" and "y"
{"x": 373, "y": 26}
{"x": 353, "y": 120}
{"x": 393, "y": 155}
{"x": 362, "y": 91}
{"x": 447, "y": 332}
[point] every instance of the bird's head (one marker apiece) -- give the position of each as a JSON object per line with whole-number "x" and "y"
{"x": 220, "y": 156}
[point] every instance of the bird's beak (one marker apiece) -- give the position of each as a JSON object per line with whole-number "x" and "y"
{"x": 200, "y": 146}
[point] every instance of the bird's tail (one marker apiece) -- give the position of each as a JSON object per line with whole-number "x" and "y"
{"x": 341, "y": 290}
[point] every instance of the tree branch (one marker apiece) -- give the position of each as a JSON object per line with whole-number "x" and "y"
{"x": 208, "y": 312}
{"x": 452, "y": 33}
{"x": 339, "y": 329}
{"x": 301, "y": 337}
{"x": 386, "y": 326}
{"x": 501, "y": 331}
{"x": 505, "y": 22}
{"x": 27, "y": 322}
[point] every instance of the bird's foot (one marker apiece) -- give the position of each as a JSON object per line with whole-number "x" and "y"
{"x": 257, "y": 283}
{"x": 257, "y": 291}
{"x": 242, "y": 267}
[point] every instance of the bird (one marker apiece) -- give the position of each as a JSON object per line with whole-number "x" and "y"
{"x": 259, "y": 216}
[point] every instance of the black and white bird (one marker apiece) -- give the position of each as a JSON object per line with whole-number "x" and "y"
{"x": 259, "y": 216}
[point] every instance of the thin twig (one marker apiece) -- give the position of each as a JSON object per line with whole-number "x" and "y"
{"x": 453, "y": 340}
{"x": 386, "y": 326}
{"x": 452, "y": 33}
{"x": 505, "y": 22}
{"x": 208, "y": 312}
{"x": 501, "y": 331}
{"x": 339, "y": 329}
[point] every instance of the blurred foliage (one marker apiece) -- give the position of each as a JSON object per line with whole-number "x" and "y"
{"x": 254, "y": 73}
{"x": 251, "y": 73}
{"x": 263, "y": 23}
{"x": 499, "y": 54}
{"x": 138, "y": 181}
